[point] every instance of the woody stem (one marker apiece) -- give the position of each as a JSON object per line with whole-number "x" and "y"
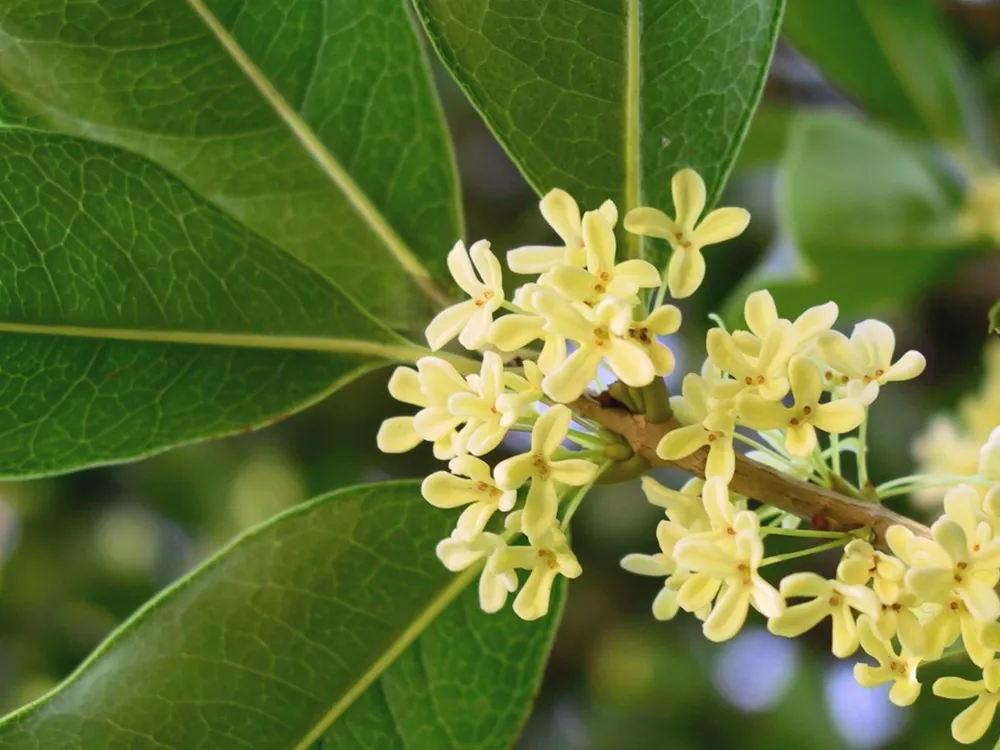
{"x": 824, "y": 508}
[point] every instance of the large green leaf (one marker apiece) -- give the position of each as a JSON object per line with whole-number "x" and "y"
{"x": 897, "y": 60}
{"x": 870, "y": 219}
{"x": 134, "y": 316}
{"x": 607, "y": 98}
{"x": 994, "y": 318}
{"x": 330, "y": 626}
{"x": 314, "y": 121}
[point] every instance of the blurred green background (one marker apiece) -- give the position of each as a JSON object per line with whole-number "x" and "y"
{"x": 81, "y": 552}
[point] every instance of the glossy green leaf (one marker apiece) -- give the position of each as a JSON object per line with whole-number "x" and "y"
{"x": 135, "y": 316}
{"x": 608, "y": 98}
{"x": 870, "y": 219}
{"x": 314, "y": 122}
{"x": 897, "y": 60}
{"x": 318, "y": 629}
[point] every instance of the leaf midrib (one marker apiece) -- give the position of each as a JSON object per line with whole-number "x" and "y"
{"x": 322, "y": 156}
{"x": 413, "y": 631}
{"x": 402, "y": 351}
{"x": 633, "y": 247}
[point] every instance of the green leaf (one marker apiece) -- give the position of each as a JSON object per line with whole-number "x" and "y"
{"x": 134, "y": 316}
{"x": 870, "y": 219}
{"x": 608, "y": 98}
{"x": 318, "y": 629}
{"x": 897, "y": 60}
{"x": 994, "y": 318}
{"x": 314, "y": 122}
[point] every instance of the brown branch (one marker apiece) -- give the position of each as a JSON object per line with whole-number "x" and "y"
{"x": 822, "y": 507}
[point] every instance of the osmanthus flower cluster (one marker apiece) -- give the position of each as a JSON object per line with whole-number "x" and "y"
{"x": 793, "y": 394}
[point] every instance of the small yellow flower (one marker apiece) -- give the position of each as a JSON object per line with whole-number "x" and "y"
{"x": 430, "y": 386}
{"x": 458, "y": 553}
{"x": 601, "y": 336}
{"x": 972, "y": 723}
{"x": 761, "y": 315}
{"x": 765, "y": 371}
{"x": 469, "y": 320}
{"x": 602, "y": 277}
{"x": 663, "y": 321}
{"x": 899, "y": 669}
{"x": 732, "y": 572}
{"x": 548, "y": 557}
{"x": 685, "y": 233}
{"x": 562, "y": 214}
{"x": 515, "y": 331}
{"x": 866, "y": 358}
{"x": 832, "y": 599}
{"x": 544, "y": 472}
{"x": 951, "y": 564}
{"x": 806, "y": 414}
{"x": 862, "y": 563}
{"x": 705, "y": 407}
{"x": 468, "y": 481}
{"x": 486, "y": 423}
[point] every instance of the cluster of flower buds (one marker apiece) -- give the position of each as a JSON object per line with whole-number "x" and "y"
{"x": 775, "y": 387}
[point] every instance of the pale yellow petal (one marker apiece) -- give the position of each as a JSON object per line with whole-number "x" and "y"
{"x": 798, "y": 618}
{"x": 532, "y": 260}
{"x": 532, "y": 600}
{"x": 904, "y": 692}
{"x": 599, "y": 238}
{"x": 688, "y": 191}
{"x": 550, "y": 430}
{"x": 444, "y": 490}
{"x": 970, "y": 725}
{"x": 448, "y": 323}
{"x": 800, "y": 439}
{"x": 487, "y": 266}
{"x": 513, "y": 472}
{"x": 570, "y": 379}
{"x": 573, "y": 283}
{"x": 540, "y": 507}
{"x": 697, "y": 592}
{"x": 909, "y": 366}
{"x": 573, "y": 471}
{"x": 815, "y": 321}
{"x": 761, "y": 414}
{"x": 404, "y": 385}
{"x": 664, "y": 320}
{"x": 629, "y": 362}
{"x": 721, "y": 225}
{"x": 704, "y": 557}
{"x": 512, "y": 332}
{"x": 728, "y": 614}
{"x": 650, "y": 223}
{"x": 805, "y": 583}
{"x": 838, "y": 416}
{"x": 760, "y": 312}
{"x": 841, "y": 355}
{"x": 685, "y": 272}
{"x": 681, "y": 442}
{"x": 562, "y": 214}
{"x": 645, "y": 565}
{"x": 845, "y": 632}
{"x": 665, "y": 604}
{"x": 461, "y": 270}
{"x": 396, "y": 435}
{"x": 957, "y": 688}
